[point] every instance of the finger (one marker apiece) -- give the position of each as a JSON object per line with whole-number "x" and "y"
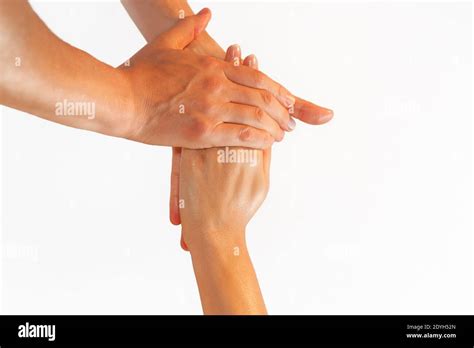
{"x": 233, "y": 55}
{"x": 185, "y": 31}
{"x": 251, "y": 61}
{"x": 251, "y": 116}
{"x": 246, "y": 76}
{"x": 311, "y": 113}
{"x": 228, "y": 134}
{"x": 264, "y": 100}
{"x": 183, "y": 243}
{"x": 174, "y": 190}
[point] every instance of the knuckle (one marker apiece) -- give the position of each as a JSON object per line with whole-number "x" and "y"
{"x": 266, "y": 97}
{"x": 211, "y": 84}
{"x": 245, "y": 134}
{"x": 259, "y": 115}
{"x": 199, "y": 129}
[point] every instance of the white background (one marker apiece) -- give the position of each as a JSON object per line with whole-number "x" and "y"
{"x": 370, "y": 214}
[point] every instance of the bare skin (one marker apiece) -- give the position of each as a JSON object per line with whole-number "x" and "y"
{"x": 153, "y": 17}
{"x": 213, "y": 227}
{"x": 142, "y": 100}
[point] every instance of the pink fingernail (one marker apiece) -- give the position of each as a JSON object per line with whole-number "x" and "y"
{"x": 253, "y": 63}
{"x": 326, "y": 118}
{"x": 291, "y": 124}
{"x": 235, "y": 50}
{"x": 235, "y": 54}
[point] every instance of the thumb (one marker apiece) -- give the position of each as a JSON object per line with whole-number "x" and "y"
{"x": 185, "y": 31}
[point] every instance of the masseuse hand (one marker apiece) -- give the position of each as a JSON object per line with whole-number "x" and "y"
{"x": 189, "y": 100}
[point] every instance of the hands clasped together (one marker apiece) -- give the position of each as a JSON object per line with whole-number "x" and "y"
{"x": 179, "y": 91}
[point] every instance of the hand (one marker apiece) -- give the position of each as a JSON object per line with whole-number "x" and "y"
{"x": 220, "y": 198}
{"x": 304, "y": 110}
{"x": 185, "y": 99}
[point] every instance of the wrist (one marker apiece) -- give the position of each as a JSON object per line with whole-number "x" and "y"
{"x": 120, "y": 115}
{"x": 216, "y": 241}
{"x": 218, "y": 254}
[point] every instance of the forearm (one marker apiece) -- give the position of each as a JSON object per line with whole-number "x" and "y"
{"x": 153, "y": 17}
{"x": 44, "y": 76}
{"x": 226, "y": 278}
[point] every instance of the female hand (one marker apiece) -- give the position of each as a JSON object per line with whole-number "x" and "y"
{"x": 220, "y": 198}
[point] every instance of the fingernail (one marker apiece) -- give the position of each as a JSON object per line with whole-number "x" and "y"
{"x": 206, "y": 14}
{"x": 235, "y": 50}
{"x": 203, "y": 11}
{"x": 326, "y": 118}
{"x": 328, "y": 115}
{"x": 253, "y": 63}
{"x": 289, "y": 101}
{"x": 235, "y": 54}
{"x": 291, "y": 124}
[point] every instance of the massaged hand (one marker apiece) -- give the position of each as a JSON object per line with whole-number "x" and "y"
{"x": 233, "y": 192}
{"x": 185, "y": 99}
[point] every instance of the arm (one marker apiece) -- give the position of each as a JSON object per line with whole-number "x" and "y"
{"x": 154, "y": 17}
{"x": 38, "y": 72}
{"x": 213, "y": 225}
{"x": 165, "y": 96}
{"x": 225, "y": 276}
